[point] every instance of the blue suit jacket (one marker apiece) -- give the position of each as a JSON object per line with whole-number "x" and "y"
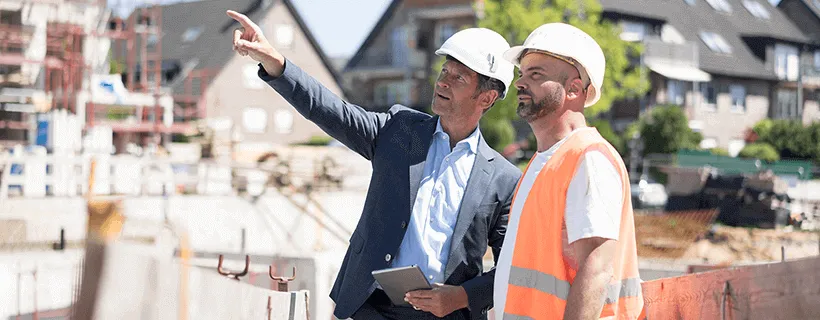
{"x": 396, "y": 143}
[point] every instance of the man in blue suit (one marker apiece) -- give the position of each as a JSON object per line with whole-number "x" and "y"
{"x": 438, "y": 196}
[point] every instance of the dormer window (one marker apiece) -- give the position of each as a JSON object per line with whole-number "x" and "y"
{"x": 720, "y": 5}
{"x": 756, "y": 9}
{"x": 715, "y": 42}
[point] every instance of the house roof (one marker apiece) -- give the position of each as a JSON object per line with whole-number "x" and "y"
{"x": 813, "y": 6}
{"x": 388, "y": 14}
{"x": 211, "y": 48}
{"x": 736, "y": 28}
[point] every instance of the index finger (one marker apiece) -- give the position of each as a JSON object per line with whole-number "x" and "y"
{"x": 243, "y": 20}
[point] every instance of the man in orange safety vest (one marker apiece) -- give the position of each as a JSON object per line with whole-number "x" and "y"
{"x": 569, "y": 251}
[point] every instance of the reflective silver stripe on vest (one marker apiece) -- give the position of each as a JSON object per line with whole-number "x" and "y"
{"x": 540, "y": 281}
{"x": 549, "y": 284}
{"x": 508, "y": 316}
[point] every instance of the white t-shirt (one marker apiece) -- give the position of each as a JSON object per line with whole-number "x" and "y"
{"x": 594, "y": 202}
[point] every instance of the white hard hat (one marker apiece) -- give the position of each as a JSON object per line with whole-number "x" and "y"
{"x": 567, "y": 41}
{"x": 481, "y": 50}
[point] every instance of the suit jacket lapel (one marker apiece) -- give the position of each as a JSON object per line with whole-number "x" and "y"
{"x": 420, "y": 141}
{"x": 473, "y": 194}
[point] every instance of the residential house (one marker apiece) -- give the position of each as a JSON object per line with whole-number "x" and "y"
{"x": 729, "y": 63}
{"x": 394, "y": 63}
{"x": 211, "y": 82}
{"x": 806, "y": 15}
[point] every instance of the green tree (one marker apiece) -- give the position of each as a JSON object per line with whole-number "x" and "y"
{"x": 515, "y": 19}
{"x": 665, "y": 130}
{"x": 759, "y": 150}
{"x": 605, "y": 129}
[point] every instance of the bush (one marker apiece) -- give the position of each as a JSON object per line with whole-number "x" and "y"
{"x": 497, "y": 132}
{"x": 719, "y": 152}
{"x": 789, "y": 138}
{"x": 317, "y": 141}
{"x": 760, "y": 150}
{"x": 665, "y": 130}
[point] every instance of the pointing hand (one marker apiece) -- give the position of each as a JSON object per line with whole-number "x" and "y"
{"x": 249, "y": 41}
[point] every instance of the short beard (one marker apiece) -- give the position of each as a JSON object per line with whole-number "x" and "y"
{"x": 543, "y": 107}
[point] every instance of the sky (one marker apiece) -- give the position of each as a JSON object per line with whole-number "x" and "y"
{"x": 339, "y": 26}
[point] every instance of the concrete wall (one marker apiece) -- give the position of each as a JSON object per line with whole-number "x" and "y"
{"x": 275, "y": 231}
{"x": 123, "y": 281}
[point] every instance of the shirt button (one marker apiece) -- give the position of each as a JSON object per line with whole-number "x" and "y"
{"x": 403, "y": 224}
{"x": 430, "y": 277}
{"x": 387, "y": 257}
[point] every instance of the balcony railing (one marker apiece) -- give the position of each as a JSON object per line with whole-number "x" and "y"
{"x": 679, "y": 54}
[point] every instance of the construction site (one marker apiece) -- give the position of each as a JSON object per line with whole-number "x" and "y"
{"x": 106, "y": 214}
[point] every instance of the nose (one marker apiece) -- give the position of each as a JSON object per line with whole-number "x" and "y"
{"x": 519, "y": 84}
{"x": 442, "y": 84}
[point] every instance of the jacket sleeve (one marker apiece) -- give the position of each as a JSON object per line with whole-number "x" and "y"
{"x": 348, "y": 123}
{"x": 480, "y": 289}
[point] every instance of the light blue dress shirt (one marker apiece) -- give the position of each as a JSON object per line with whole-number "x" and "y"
{"x": 427, "y": 239}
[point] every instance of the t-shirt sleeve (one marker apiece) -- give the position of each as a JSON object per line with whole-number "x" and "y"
{"x": 594, "y": 199}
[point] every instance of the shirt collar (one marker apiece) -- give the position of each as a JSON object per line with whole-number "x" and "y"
{"x": 471, "y": 140}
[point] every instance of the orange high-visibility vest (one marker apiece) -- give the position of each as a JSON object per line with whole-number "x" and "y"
{"x": 540, "y": 276}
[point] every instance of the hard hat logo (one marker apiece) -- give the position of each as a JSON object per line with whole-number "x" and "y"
{"x": 477, "y": 49}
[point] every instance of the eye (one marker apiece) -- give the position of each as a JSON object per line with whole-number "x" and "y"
{"x": 460, "y": 78}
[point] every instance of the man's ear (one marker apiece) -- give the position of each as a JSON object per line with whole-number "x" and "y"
{"x": 575, "y": 89}
{"x": 487, "y": 98}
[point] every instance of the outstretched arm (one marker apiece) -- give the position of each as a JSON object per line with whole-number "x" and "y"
{"x": 348, "y": 123}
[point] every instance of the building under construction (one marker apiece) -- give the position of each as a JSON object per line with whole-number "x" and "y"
{"x": 56, "y": 55}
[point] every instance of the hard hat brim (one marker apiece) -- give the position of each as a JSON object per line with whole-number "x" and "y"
{"x": 513, "y": 54}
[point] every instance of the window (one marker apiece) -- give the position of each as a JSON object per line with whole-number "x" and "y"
{"x": 817, "y": 59}
{"x": 388, "y": 93}
{"x": 709, "y": 93}
{"x": 756, "y": 9}
{"x": 787, "y": 107}
{"x": 283, "y": 121}
{"x": 715, "y": 42}
{"x": 255, "y": 120}
{"x": 786, "y": 62}
{"x": 720, "y": 5}
{"x": 632, "y": 31}
{"x": 675, "y": 92}
{"x": 445, "y": 31}
{"x": 399, "y": 41}
{"x": 250, "y": 78}
{"x": 283, "y": 36}
{"x": 738, "y": 93}
{"x": 191, "y": 34}
{"x": 708, "y": 143}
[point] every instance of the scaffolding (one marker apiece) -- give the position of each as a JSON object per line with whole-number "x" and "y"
{"x": 68, "y": 58}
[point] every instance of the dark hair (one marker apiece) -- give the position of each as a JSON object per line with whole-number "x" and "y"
{"x": 485, "y": 83}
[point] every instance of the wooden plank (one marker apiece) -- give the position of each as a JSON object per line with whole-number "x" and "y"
{"x": 785, "y": 290}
